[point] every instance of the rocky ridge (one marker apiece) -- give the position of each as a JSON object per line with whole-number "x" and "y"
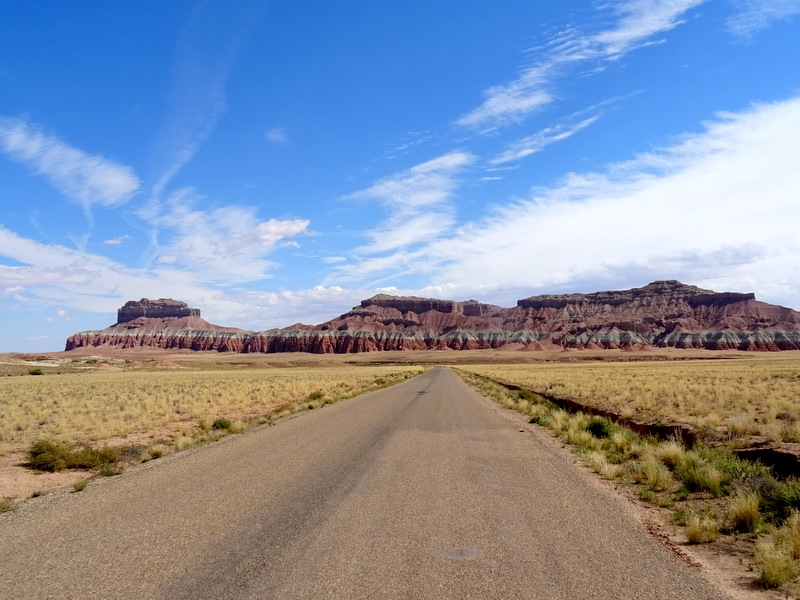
{"x": 162, "y": 323}
{"x": 660, "y": 314}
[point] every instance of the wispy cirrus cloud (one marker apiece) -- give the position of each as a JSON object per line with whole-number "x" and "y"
{"x": 717, "y": 209}
{"x": 196, "y": 101}
{"x": 540, "y": 140}
{"x": 637, "y": 22}
{"x": 276, "y": 136}
{"x": 86, "y": 179}
{"x": 755, "y": 15}
{"x": 417, "y": 202}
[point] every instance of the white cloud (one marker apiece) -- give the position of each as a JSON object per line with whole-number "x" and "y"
{"x": 512, "y": 101}
{"x": 52, "y": 274}
{"x": 276, "y": 136}
{"x": 637, "y": 22}
{"x": 718, "y": 208}
{"x": 83, "y": 178}
{"x": 754, "y": 15}
{"x": 540, "y": 140}
{"x": 117, "y": 241}
{"x": 418, "y": 203}
{"x": 167, "y": 259}
{"x": 225, "y": 244}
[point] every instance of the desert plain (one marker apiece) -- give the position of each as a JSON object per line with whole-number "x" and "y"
{"x": 147, "y": 403}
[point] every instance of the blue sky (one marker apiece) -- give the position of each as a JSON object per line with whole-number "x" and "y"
{"x": 271, "y": 162}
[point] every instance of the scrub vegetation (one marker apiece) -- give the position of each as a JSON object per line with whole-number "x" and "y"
{"x": 740, "y": 397}
{"x": 73, "y": 414}
{"x": 712, "y": 494}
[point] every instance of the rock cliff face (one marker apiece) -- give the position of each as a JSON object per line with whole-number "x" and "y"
{"x": 162, "y": 323}
{"x": 155, "y": 309}
{"x": 661, "y": 314}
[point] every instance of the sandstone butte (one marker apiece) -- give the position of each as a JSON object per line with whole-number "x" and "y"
{"x": 660, "y": 314}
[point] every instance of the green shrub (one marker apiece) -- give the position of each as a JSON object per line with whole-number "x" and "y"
{"x": 45, "y": 455}
{"x": 780, "y": 498}
{"x": 698, "y": 475}
{"x": 734, "y": 467}
{"x": 222, "y": 423}
{"x": 92, "y": 458}
{"x": 600, "y": 427}
{"x": 109, "y": 470}
{"x": 35, "y": 371}
{"x": 538, "y": 420}
{"x": 647, "y": 495}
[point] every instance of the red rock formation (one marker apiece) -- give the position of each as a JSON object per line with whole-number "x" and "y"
{"x": 162, "y": 323}
{"x": 663, "y": 313}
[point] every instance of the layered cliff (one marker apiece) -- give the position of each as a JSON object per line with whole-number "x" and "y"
{"x": 661, "y": 314}
{"x": 162, "y": 323}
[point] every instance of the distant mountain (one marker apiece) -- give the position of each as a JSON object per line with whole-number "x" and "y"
{"x": 661, "y": 314}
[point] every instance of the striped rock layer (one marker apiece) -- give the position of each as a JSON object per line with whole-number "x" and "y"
{"x": 661, "y": 314}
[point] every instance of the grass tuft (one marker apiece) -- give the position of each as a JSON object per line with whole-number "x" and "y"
{"x": 183, "y": 442}
{"x": 6, "y": 505}
{"x": 701, "y": 529}
{"x": 744, "y": 512}
{"x": 777, "y": 554}
{"x": 698, "y": 475}
{"x": 653, "y": 474}
{"x": 670, "y": 452}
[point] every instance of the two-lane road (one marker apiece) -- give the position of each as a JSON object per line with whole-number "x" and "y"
{"x": 422, "y": 490}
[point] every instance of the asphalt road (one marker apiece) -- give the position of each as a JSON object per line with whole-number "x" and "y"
{"x": 422, "y": 490}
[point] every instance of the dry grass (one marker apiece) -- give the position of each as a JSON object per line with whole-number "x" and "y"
{"x": 91, "y": 406}
{"x": 701, "y": 529}
{"x": 745, "y": 512}
{"x": 706, "y": 487}
{"x": 778, "y": 554}
{"x": 743, "y": 396}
